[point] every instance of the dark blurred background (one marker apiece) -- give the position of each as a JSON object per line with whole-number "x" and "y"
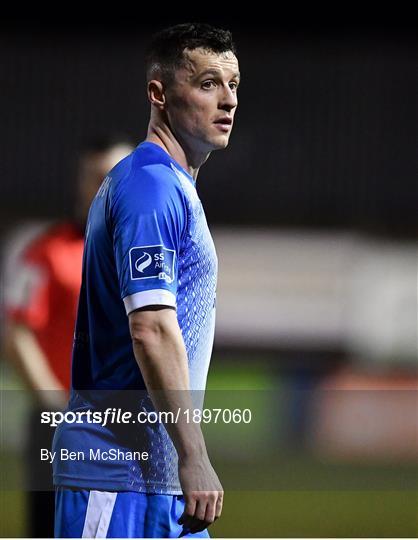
{"x": 313, "y": 208}
{"x": 325, "y": 135}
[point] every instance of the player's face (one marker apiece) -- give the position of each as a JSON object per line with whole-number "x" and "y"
{"x": 202, "y": 101}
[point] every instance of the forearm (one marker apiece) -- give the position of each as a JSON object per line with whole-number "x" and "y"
{"x": 28, "y": 357}
{"x": 23, "y": 350}
{"x": 162, "y": 358}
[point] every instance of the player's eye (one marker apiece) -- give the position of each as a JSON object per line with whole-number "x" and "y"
{"x": 208, "y": 85}
{"x": 233, "y": 86}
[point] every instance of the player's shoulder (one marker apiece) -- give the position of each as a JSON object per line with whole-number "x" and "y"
{"x": 31, "y": 246}
{"x": 20, "y": 240}
{"x": 39, "y": 240}
{"x": 151, "y": 174}
{"x": 56, "y": 234}
{"x": 152, "y": 165}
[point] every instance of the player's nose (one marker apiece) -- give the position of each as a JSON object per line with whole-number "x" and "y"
{"x": 228, "y": 99}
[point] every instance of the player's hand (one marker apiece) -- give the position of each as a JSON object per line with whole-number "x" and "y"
{"x": 203, "y": 494}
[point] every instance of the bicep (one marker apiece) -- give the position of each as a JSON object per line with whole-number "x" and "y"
{"x": 151, "y": 321}
{"x": 159, "y": 348}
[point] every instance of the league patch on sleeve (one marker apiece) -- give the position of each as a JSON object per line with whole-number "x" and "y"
{"x": 148, "y": 262}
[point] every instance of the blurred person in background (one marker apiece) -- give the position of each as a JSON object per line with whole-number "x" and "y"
{"x": 42, "y": 287}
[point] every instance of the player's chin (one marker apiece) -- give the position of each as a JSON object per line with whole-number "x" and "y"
{"x": 220, "y": 142}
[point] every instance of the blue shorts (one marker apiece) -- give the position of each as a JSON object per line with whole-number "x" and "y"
{"x": 124, "y": 514}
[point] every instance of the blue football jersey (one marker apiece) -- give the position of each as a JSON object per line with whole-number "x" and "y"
{"x": 147, "y": 243}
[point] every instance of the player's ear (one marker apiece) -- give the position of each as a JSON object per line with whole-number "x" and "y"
{"x": 156, "y": 94}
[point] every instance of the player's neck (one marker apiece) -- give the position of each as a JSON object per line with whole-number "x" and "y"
{"x": 189, "y": 160}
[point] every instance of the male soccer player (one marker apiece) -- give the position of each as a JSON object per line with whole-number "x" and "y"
{"x": 146, "y": 312}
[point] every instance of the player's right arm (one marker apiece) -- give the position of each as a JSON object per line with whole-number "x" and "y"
{"x": 148, "y": 219}
{"x": 23, "y": 350}
{"x": 161, "y": 355}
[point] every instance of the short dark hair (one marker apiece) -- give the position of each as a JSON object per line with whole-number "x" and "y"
{"x": 165, "y": 53}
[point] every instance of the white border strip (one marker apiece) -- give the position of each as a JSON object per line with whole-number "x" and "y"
{"x": 149, "y": 298}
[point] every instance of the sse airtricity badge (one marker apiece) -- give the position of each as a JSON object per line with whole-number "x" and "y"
{"x": 152, "y": 262}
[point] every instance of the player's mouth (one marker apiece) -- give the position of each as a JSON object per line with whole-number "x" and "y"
{"x": 224, "y": 123}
